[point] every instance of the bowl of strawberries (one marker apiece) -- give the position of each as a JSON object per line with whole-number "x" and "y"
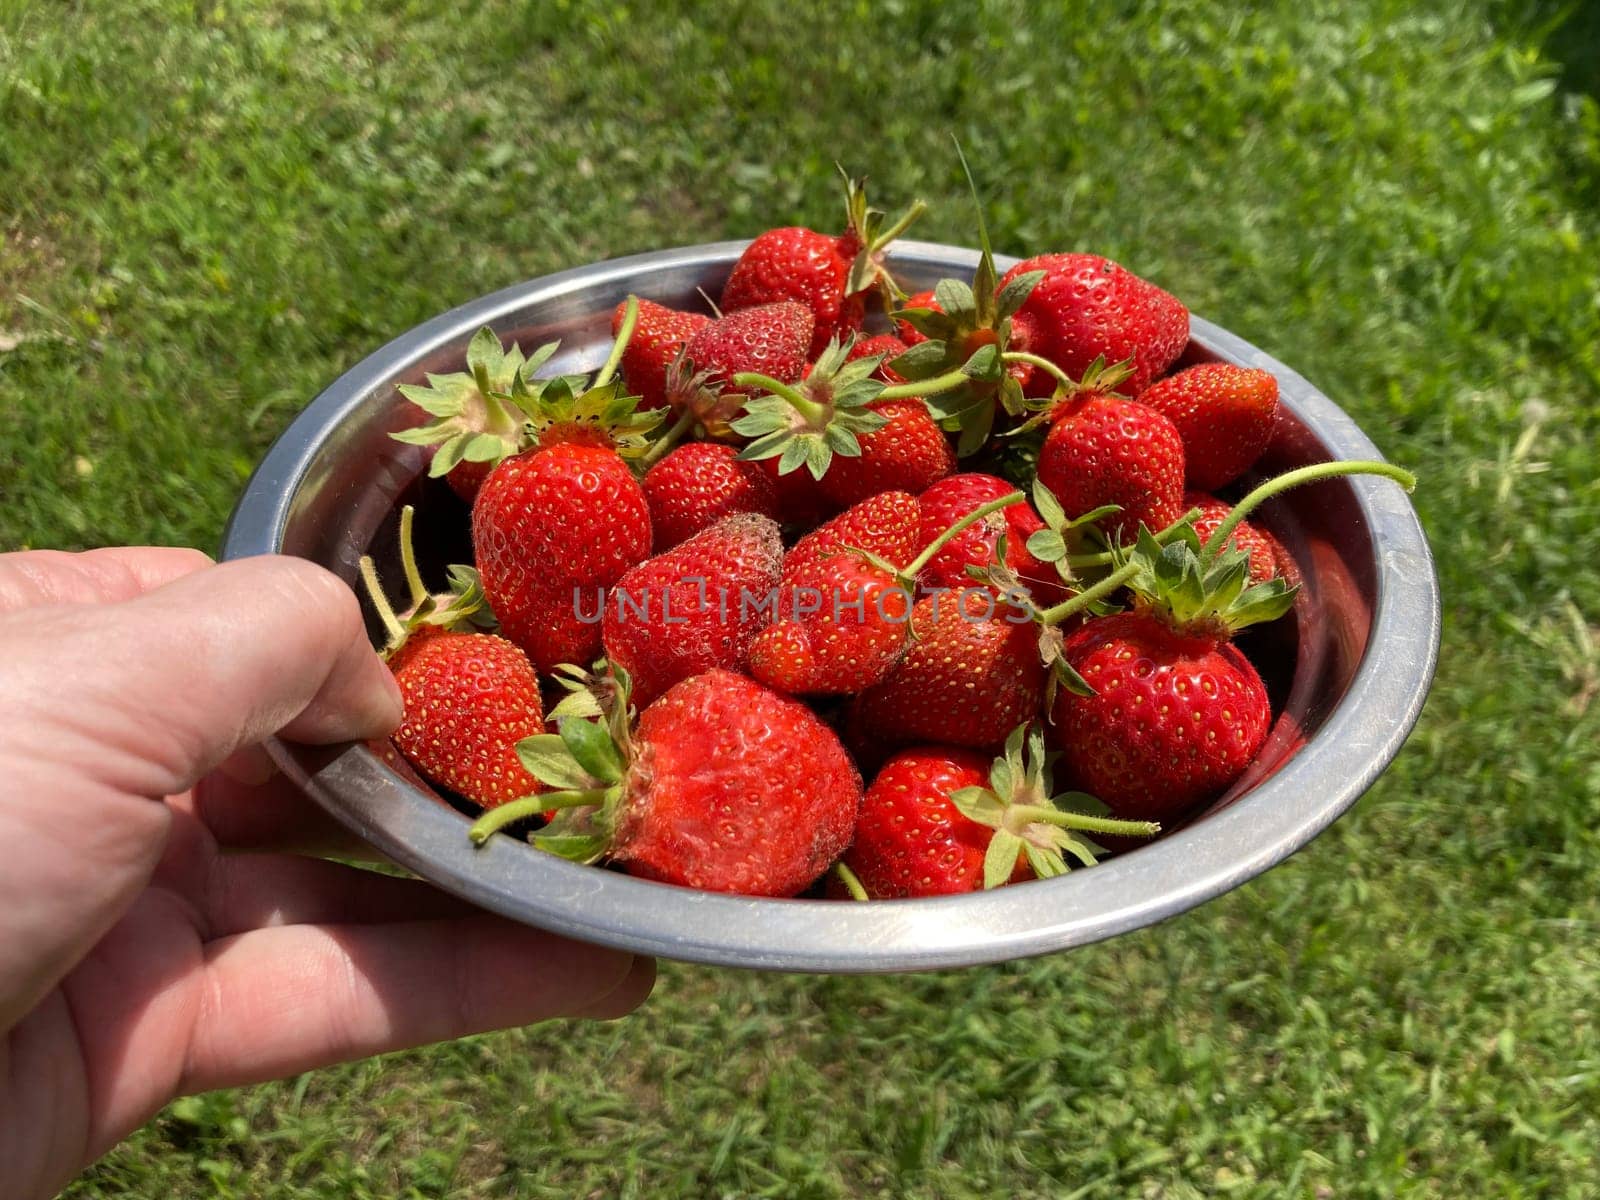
{"x": 838, "y": 602}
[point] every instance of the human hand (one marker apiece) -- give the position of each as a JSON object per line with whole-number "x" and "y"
{"x": 138, "y": 961}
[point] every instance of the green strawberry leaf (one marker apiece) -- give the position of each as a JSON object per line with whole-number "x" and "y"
{"x": 549, "y": 760}
{"x": 1000, "y": 860}
{"x": 1015, "y": 294}
{"x": 979, "y": 804}
{"x": 1047, "y": 545}
{"x": 590, "y": 745}
{"x": 922, "y": 361}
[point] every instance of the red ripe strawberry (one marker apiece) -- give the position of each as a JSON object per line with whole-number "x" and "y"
{"x": 1223, "y": 413}
{"x": 1103, "y": 449}
{"x": 563, "y": 519}
{"x": 658, "y": 337}
{"x": 886, "y": 525}
{"x": 724, "y": 785}
{"x": 469, "y": 699}
{"x": 698, "y": 484}
{"x": 886, "y": 348}
{"x": 856, "y": 437}
{"x": 694, "y": 607}
{"x": 829, "y": 275}
{"x": 1169, "y": 712}
{"x": 549, "y": 527}
{"x": 970, "y": 675}
{"x": 910, "y": 839}
{"x": 947, "y": 501}
{"x": 940, "y": 821}
{"x": 842, "y": 615}
{"x": 772, "y": 340}
{"x": 843, "y": 623}
{"x": 1087, "y": 307}
{"x": 1176, "y": 718}
{"x": 908, "y": 454}
{"x": 1261, "y": 549}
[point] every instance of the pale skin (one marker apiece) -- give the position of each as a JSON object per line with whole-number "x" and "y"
{"x": 155, "y": 937}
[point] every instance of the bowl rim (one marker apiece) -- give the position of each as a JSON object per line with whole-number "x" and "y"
{"x": 1320, "y": 781}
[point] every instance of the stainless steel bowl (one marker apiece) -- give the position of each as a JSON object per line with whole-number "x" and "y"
{"x": 1348, "y": 673}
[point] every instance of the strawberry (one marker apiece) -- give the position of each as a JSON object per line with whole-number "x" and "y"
{"x": 772, "y": 340}
{"x": 657, "y": 339}
{"x": 477, "y": 415}
{"x": 886, "y": 348}
{"x": 1224, "y": 414}
{"x": 1174, "y": 712}
{"x": 469, "y": 697}
{"x": 1085, "y": 307}
{"x": 1176, "y": 718}
{"x": 845, "y": 607}
{"x": 1261, "y": 549}
{"x": 723, "y": 785}
{"x": 842, "y": 610}
{"x": 698, "y": 484}
{"x": 695, "y": 607}
{"x": 829, "y": 275}
{"x": 970, "y": 674}
{"x": 844, "y": 614}
{"x": 907, "y": 454}
{"x": 853, "y": 434}
{"x": 1104, "y": 449}
{"x": 947, "y": 501}
{"x": 940, "y": 821}
{"x": 563, "y": 518}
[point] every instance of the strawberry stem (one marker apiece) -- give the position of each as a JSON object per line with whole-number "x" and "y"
{"x": 496, "y": 819}
{"x": 919, "y": 388}
{"x": 391, "y": 623}
{"x": 630, "y": 318}
{"x": 1044, "y": 364}
{"x": 408, "y": 558}
{"x": 943, "y": 540}
{"x": 918, "y": 207}
{"x": 1081, "y": 600}
{"x": 816, "y": 415}
{"x": 1083, "y": 821}
{"x": 668, "y": 440}
{"x": 1290, "y": 479}
{"x": 851, "y": 883}
{"x": 1105, "y": 558}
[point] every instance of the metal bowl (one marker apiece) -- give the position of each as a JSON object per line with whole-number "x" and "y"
{"x": 1347, "y": 673}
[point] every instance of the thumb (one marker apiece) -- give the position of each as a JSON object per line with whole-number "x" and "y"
{"x": 148, "y": 695}
{"x": 107, "y": 707}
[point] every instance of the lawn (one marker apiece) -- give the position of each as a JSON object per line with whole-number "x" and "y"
{"x": 210, "y": 209}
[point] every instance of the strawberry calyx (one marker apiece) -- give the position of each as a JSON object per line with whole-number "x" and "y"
{"x": 968, "y": 333}
{"x": 479, "y": 415}
{"x": 585, "y": 764}
{"x": 806, "y": 423}
{"x": 462, "y": 604}
{"x": 1029, "y": 822}
{"x": 865, "y": 240}
{"x": 1098, "y": 379}
{"x": 1199, "y": 596}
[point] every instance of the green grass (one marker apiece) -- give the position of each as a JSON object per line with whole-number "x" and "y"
{"x": 207, "y": 210}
